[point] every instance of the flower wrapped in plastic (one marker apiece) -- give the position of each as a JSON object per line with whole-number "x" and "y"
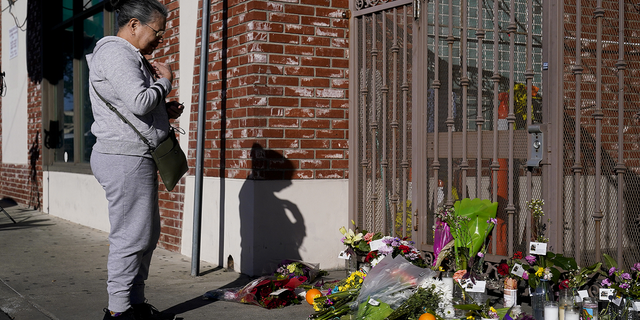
{"x": 267, "y": 292}
{"x": 392, "y": 282}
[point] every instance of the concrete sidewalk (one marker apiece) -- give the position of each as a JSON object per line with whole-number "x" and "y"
{"x": 52, "y": 269}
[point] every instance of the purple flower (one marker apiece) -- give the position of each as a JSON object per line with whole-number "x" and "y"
{"x": 480, "y": 254}
{"x": 492, "y": 220}
{"x": 625, "y": 276}
{"x": 636, "y": 267}
{"x": 525, "y": 276}
{"x": 612, "y": 271}
{"x": 624, "y": 286}
{"x": 385, "y": 250}
{"x": 343, "y": 238}
{"x": 530, "y": 259}
{"x": 606, "y": 283}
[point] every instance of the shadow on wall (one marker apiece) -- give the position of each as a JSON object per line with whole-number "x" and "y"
{"x": 272, "y": 229}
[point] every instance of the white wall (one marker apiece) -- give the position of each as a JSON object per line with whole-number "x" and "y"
{"x": 188, "y": 29}
{"x": 75, "y": 197}
{"x": 268, "y": 224}
{"x": 14, "y": 104}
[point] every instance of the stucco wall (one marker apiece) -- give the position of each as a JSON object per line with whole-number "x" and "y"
{"x": 268, "y": 221}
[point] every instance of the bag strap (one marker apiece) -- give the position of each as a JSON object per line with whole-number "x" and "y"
{"x": 112, "y": 108}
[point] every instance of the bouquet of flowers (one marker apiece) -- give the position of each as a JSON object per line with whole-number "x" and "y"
{"x": 470, "y": 222}
{"x": 336, "y": 302}
{"x": 485, "y": 310}
{"x": 625, "y": 284}
{"x": 358, "y": 242}
{"x": 293, "y": 268}
{"x": 576, "y": 277}
{"x": 432, "y": 296}
{"x": 266, "y": 292}
{"x": 396, "y": 246}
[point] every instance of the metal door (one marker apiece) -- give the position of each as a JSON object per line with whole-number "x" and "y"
{"x": 425, "y": 99}
{"x": 447, "y": 94}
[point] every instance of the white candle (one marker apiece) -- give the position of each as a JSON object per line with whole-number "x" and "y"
{"x": 551, "y": 311}
{"x": 449, "y": 283}
{"x": 570, "y": 314}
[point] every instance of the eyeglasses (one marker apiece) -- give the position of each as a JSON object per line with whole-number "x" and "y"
{"x": 158, "y": 33}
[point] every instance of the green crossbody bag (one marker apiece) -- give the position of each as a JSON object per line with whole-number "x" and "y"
{"x": 168, "y": 156}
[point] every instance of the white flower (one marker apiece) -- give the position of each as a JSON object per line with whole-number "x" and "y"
{"x": 377, "y": 260}
{"x": 442, "y": 290}
{"x": 449, "y": 312}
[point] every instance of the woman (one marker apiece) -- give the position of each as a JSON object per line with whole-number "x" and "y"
{"x": 119, "y": 74}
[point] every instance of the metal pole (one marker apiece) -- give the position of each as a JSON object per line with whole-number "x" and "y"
{"x": 197, "y": 207}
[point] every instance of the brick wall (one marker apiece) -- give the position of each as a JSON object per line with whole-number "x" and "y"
{"x": 287, "y": 78}
{"x": 610, "y": 86}
{"x": 23, "y": 183}
{"x": 171, "y": 203}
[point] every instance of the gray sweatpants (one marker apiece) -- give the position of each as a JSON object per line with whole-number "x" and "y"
{"x": 131, "y": 186}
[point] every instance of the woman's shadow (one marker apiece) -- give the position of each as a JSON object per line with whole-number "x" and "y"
{"x": 271, "y": 229}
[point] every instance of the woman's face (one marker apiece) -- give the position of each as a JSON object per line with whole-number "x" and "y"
{"x": 147, "y": 38}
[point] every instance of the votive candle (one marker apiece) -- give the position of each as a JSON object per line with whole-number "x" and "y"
{"x": 551, "y": 310}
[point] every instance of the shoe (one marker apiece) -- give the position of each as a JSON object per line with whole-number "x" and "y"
{"x": 145, "y": 311}
{"x": 127, "y": 315}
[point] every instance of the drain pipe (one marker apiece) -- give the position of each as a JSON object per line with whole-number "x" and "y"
{"x": 202, "y": 100}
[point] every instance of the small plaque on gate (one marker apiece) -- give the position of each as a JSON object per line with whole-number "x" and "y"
{"x": 517, "y": 270}
{"x": 538, "y": 248}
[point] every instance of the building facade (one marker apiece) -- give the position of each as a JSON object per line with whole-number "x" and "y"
{"x": 317, "y": 112}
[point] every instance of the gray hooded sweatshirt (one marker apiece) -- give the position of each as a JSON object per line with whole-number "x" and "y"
{"x": 118, "y": 73}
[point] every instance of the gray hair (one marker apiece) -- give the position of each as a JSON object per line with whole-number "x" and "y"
{"x": 143, "y": 10}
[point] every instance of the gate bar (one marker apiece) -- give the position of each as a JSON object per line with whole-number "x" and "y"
{"x": 598, "y": 115}
{"x": 464, "y": 81}
{"x": 511, "y": 119}
{"x": 449, "y": 122}
{"x": 405, "y": 103}
{"x": 436, "y": 96}
{"x": 374, "y": 123}
{"x": 577, "y": 166}
{"x": 496, "y": 91}
{"x": 620, "y": 167}
{"x": 479, "y": 116}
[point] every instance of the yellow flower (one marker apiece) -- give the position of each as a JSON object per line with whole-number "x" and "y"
{"x": 540, "y": 271}
{"x": 493, "y": 310}
{"x": 470, "y": 317}
{"x": 440, "y": 268}
{"x": 291, "y": 268}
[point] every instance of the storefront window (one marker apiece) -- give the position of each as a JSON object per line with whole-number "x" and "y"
{"x": 76, "y": 30}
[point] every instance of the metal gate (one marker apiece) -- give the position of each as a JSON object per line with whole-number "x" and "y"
{"x": 448, "y": 95}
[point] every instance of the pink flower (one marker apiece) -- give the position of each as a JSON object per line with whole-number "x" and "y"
{"x": 525, "y": 276}
{"x": 530, "y": 259}
{"x": 636, "y": 267}
{"x": 459, "y": 274}
{"x": 368, "y": 237}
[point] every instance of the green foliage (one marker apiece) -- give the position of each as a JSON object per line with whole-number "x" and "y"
{"x": 479, "y": 211}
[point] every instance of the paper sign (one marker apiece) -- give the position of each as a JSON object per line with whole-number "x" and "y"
{"x": 13, "y": 42}
{"x": 376, "y": 244}
{"x": 374, "y": 302}
{"x": 277, "y": 292}
{"x": 605, "y": 294}
{"x": 517, "y": 270}
{"x": 479, "y": 286}
{"x": 636, "y": 305}
{"x": 538, "y": 248}
{"x": 617, "y": 301}
{"x": 581, "y": 295}
{"x": 344, "y": 255}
